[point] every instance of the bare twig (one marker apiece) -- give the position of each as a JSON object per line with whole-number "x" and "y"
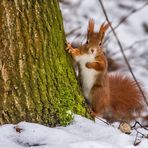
{"x": 137, "y": 122}
{"x": 72, "y": 31}
{"x": 142, "y": 135}
{"x": 132, "y": 45}
{"x": 122, "y": 51}
{"x": 77, "y": 36}
{"x": 137, "y": 42}
{"x": 131, "y": 13}
{"x": 125, "y": 18}
{"x": 137, "y": 140}
{"x": 102, "y": 120}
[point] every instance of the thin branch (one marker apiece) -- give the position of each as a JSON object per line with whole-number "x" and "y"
{"x": 142, "y": 135}
{"x": 137, "y": 122}
{"x": 102, "y": 120}
{"x": 122, "y": 51}
{"x": 73, "y": 31}
{"x": 131, "y": 13}
{"x": 132, "y": 45}
{"x": 125, "y": 18}
{"x": 137, "y": 42}
{"x": 136, "y": 141}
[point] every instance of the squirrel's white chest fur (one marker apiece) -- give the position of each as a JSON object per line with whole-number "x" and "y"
{"x": 88, "y": 76}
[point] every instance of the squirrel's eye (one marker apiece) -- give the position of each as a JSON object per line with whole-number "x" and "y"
{"x": 87, "y": 42}
{"x": 100, "y": 43}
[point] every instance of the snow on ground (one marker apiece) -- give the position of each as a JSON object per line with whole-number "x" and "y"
{"x": 81, "y": 133}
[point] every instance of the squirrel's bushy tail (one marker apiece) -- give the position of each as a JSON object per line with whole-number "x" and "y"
{"x": 125, "y": 98}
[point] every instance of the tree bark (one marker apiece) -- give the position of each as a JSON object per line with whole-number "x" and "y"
{"x": 37, "y": 80}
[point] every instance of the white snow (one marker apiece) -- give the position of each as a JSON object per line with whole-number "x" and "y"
{"x": 81, "y": 133}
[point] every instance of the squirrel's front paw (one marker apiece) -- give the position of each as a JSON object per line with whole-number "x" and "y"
{"x": 89, "y": 65}
{"x": 72, "y": 51}
{"x": 69, "y": 47}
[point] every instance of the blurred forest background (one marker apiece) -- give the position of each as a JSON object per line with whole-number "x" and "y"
{"x": 130, "y": 20}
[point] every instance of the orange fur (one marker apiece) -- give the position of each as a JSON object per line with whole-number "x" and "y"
{"x": 100, "y": 96}
{"x": 114, "y": 97}
{"x": 96, "y": 65}
{"x": 102, "y": 31}
{"x": 91, "y": 26}
{"x": 73, "y": 51}
{"x": 125, "y": 97}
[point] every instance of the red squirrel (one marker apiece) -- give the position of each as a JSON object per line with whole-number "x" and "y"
{"x": 114, "y": 97}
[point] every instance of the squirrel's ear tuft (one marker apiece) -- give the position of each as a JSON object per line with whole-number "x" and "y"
{"x": 90, "y": 29}
{"x": 102, "y": 30}
{"x": 91, "y": 26}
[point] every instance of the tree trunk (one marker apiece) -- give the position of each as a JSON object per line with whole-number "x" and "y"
{"x": 37, "y": 81}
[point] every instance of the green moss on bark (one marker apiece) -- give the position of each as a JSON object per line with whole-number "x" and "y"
{"x": 37, "y": 80}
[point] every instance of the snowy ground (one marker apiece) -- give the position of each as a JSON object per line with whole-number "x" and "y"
{"x": 82, "y": 133}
